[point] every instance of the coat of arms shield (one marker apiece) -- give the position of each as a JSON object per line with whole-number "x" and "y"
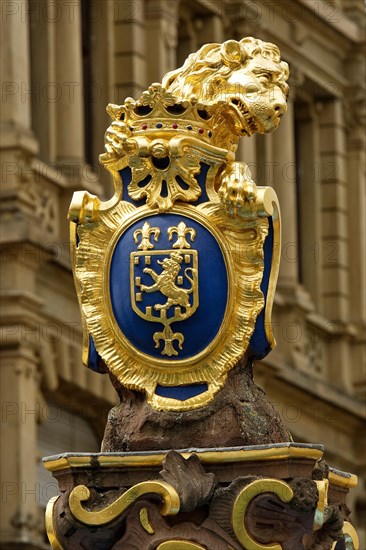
{"x": 173, "y": 295}
{"x": 171, "y": 284}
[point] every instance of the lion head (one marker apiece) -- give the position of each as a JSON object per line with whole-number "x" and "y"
{"x": 247, "y": 79}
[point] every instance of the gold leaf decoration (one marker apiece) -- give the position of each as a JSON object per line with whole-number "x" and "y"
{"x": 157, "y": 196}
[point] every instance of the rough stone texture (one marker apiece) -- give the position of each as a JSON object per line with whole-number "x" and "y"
{"x": 188, "y": 477}
{"x": 240, "y": 414}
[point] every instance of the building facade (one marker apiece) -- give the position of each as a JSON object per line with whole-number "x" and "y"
{"x": 62, "y": 62}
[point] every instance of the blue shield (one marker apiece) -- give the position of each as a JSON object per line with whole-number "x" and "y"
{"x": 168, "y": 286}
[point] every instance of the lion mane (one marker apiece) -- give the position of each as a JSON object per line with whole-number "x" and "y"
{"x": 212, "y": 63}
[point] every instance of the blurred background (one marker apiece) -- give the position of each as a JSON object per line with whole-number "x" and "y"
{"x": 62, "y": 61}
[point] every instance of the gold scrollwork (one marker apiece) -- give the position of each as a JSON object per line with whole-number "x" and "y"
{"x": 245, "y": 300}
{"x": 242, "y": 501}
{"x": 350, "y": 536}
{"x": 84, "y": 207}
{"x": 50, "y": 526}
{"x": 180, "y": 545}
{"x": 165, "y": 138}
{"x": 145, "y": 521}
{"x": 319, "y": 515}
{"x": 161, "y": 170}
{"x": 79, "y": 494}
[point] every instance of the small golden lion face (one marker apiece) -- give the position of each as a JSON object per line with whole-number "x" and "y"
{"x": 169, "y": 263}
{"x": 258, "y": 96}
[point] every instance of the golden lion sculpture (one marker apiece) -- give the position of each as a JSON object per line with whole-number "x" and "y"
{"x": 171, "y": 152}
{"x": 240, "y": 85}
{"x": 247, "y": 77}
{"x": 246, "y": 80}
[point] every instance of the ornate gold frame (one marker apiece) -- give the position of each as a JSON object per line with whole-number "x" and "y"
{"x": 91, "y": 259}
{"x": 97, "y": 226}
{"x": 161, "y": 363}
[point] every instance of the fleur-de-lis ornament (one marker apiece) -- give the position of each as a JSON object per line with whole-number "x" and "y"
{"x": 181, "y": 230}
{"x": 146, "y": 231}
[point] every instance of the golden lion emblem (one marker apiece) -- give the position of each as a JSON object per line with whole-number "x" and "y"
{"x": 165, "y": 282}
{"x": 242, "y": 84}
{"x": 246, "y": 79}
{"x": 245, "y": 82}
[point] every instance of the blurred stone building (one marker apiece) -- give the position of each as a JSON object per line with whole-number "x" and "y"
{"x": 62, "y": 62}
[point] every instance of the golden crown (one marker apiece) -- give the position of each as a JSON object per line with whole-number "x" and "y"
{"x": 158, "y": 111}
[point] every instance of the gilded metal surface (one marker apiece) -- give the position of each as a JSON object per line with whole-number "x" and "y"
{"x": 206, "y": 457}
{"x": 242, "y": 501}
{"x": 244, "y": 82}
{"x": 351, "y": 539}
{"x": 81, "y": 493}
{"x": 50, "y": 527}
{"x": 145, "y": 521}
{"x": 179, "y": 150}
{"x": 245, "y": 300}
{"x": 182, "y": 232}
{"x": 165, "y": 283}
{"x": 145, "y": 232}
{"x": 350, "y": 481}
{"x": 180, "y": 545}
{"x": 85, "y": 341}
{"x": 320, "y": 512}
{"x": 196, "y": 116}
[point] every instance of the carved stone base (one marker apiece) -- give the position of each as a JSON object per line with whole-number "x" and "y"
{"x": 240, "y": 414}
{"x": 235, "y": 498}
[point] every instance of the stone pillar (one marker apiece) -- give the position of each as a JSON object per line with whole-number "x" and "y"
{"x": 101, "y": 51}
{"x": 333, "y": 254}
{"x": 162, "y": 23}
{"x": 70, "y": 144}
{"x": 284, "y": 182}
{"x": 356, "y": 166}
{"x": 334, "y": 251}
{"x": 357, "y": 228}
{"x": 20, "y": 491}
{"x": 15, "y": 113}
{"x": 212, "y": 29}
{"x": 129, "y": 62}
{"x": 21, "y": 335}
{"x": 46, "y": 90}
{"x": 247, "y": 152}
{"x": 69, "y": 77}
{"x": 309, "y": 197}
{"x": 187, "y": 36}
{"x": 14, "y": 67}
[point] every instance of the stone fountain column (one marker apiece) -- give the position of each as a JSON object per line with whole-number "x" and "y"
{"x": 176, "y": 276}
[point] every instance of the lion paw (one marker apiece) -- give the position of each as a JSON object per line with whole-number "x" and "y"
{"x": 237, "y": 191}
{"x": 117, "y": 139}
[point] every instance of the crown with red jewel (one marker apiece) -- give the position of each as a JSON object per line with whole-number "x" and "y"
{"x": 158, "y": 111}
